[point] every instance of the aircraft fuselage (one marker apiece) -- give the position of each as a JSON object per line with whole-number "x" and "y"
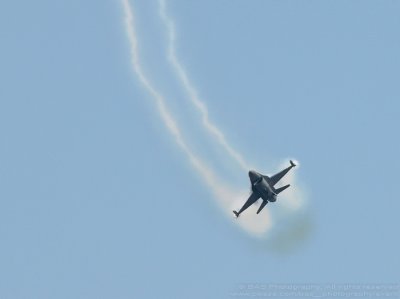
{"x": 261, "y": 186}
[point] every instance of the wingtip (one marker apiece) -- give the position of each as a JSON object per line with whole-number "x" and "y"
{"x": 236, "y": 214}
{"x": 292, "y": 163}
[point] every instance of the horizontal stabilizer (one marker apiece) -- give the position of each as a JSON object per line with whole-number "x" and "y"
{"x": 262, "y": 206}
{"x": 279, "y": 190}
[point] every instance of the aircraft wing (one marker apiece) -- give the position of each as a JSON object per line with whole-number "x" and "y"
{"x": 277, "y": 177}
{"x": 252, "y": 199}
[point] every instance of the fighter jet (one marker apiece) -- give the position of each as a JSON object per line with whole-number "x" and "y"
{"x": 262, "y": 187}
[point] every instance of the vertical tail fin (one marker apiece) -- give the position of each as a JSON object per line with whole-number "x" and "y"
{"x": 279, "y": 190}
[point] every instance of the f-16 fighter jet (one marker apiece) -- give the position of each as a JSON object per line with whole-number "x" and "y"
{"x": 262, "y": 187}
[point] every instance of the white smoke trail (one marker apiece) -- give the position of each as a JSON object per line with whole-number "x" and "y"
{"x": 292, "y": 200}
{"x": 226, "y": 197}
{"x": 193, "y": 94}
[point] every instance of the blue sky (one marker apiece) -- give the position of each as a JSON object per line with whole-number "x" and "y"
{"x": 97, "y": 201}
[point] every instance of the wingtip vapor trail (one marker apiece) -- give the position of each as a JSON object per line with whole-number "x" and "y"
{"x": 178, "y": 67}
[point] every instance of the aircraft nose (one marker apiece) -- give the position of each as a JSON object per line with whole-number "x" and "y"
{"x": 253, "y": 175}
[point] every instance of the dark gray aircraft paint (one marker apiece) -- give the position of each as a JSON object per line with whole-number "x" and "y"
{"x": 262, "y": 187}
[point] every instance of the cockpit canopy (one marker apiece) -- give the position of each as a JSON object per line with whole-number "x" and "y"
{"x": 255, "y": 177}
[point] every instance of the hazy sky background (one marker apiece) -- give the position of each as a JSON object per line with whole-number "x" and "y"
{"x": 96, "y": 201}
